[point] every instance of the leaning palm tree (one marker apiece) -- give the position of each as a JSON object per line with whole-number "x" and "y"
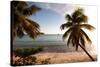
{"x": 21, "y": 24}
{"x": 75, "y": 34}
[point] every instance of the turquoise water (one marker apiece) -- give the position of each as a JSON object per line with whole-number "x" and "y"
{"x": 42, "y": 39}
{"x": 46, "y": 37}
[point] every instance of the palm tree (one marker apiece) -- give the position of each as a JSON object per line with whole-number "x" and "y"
{"x": 75, "y": 33}
{"x": 21, "y": 24}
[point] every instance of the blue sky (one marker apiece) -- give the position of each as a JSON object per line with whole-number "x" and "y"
{"x": 50, "y": 17}
{"x": 49, "y": 21}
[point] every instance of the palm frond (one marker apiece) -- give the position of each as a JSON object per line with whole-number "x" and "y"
{"x": 31, "y": 29}
{"x": 20, "y": 32}
{"x": 35, "y": 24}
{"x": 87, "y": 26}
{"x": 65, "y": 25}
{"x": 78, "y": 12}
{"x": 68, "y": 17}
{"x": 82, "y": 41}
{"x": 21, "y": 9}
{"x": 16, "y": 24}
{"x": 82, "y": 19}
{"x": 65, "y": 35}
{"x": 30, "y": 10}
{"x": 21, "y": 3}
{"x": 18, "y": 3}
{"x": 86, "y": 36}
{"x": 69, "y": 39}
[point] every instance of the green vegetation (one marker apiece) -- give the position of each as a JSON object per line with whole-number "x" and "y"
{"x": 24, "y": 52}
{"x": 25, "y": 55}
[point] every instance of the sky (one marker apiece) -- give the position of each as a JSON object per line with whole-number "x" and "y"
{"x": 52, "y": 16}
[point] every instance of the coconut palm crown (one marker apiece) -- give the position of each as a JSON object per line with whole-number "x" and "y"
{"x": 75, "y": 34}
{"x": 21, "y": 24}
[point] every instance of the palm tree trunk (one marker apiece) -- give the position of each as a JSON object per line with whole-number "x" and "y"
{"x": 87, "y": 53}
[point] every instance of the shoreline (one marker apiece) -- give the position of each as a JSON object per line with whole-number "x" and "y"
{"x": 59, "y": 58}
{"x": 53, "y": 47}
{"x": 49, "y": 48}
{"x": 58, "y": 54}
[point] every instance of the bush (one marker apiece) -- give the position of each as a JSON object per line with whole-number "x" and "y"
{"x": 24, "y": 52}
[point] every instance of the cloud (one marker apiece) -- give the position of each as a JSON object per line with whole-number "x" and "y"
{"x": 59, "y": 8}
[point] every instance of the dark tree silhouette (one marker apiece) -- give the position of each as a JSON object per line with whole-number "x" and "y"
{"x": 75, "y": 34}
{"x": 21, "y": 24}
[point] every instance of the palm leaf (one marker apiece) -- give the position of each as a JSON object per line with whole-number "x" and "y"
{"x": 82, "y": 41}
{"x": 30, "y": 10}
{"x": 69, "y": 39}
{"x": 68, "y": 17}
{"x": 35, "y": 24}
{"x": 78, "y": 12}
{"x": 20, "y": 32}
{"x": 20, "y": 23}
{"x": 19, "y": 3}
{"x": 65, "y": 25}
{"x": 32, "y": 29}
{"x": 87, "y": 26}
{"x": 86, "y": 36}
{"x": 82, "y": 19}
{"x": 65, "y": 35}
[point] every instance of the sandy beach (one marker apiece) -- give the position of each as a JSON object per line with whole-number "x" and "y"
{"x": 59, "y": 54}
{"x": 56, "y": 58}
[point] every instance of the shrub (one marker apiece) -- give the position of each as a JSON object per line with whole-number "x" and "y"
{"x": 24, "y": 52}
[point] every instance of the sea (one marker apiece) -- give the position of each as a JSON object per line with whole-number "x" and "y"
{"x": 51, "y": 42}
{"x": 47, "y": 39}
